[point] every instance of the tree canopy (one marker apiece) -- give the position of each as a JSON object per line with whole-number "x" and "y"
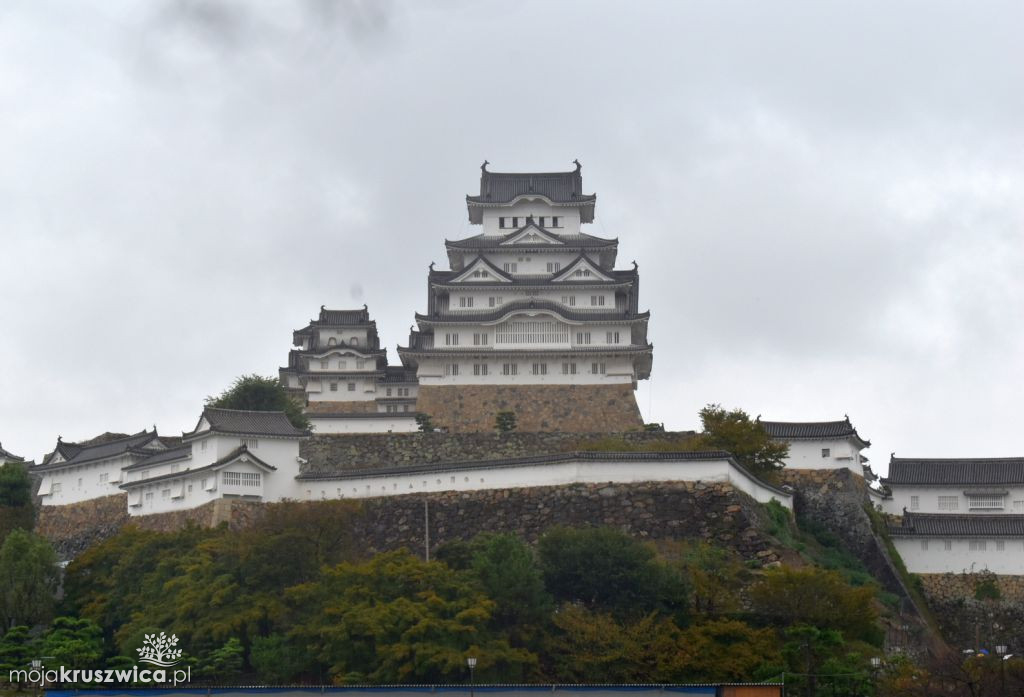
{"x": 745, "y": 439}
{"x": 28, "y": 579}
{"x": 258, "y": 393}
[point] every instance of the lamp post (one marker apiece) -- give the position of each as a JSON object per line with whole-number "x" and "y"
{"x": 471, "y": 662}
{"x": 1001, "y": 653}
{"x": 876, "y": 667}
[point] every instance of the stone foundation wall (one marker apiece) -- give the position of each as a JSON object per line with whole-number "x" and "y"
{"x": 570, "y": 408}
{"x": 714, "y": 512}
{"x": 838, "y": 501}
{"x": 340, "y": 452}
{"x": 74, "y": 527}
{"x": 969, "y": 622}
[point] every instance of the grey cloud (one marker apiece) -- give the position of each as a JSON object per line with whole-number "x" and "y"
{"x": 824, "y": 201}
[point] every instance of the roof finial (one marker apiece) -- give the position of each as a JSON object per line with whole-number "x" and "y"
{"x": 578, "y": 165}
{"x": 635, "y": 265}
{"x": 483, "y": 167}
{"x": 432, "y": 265}
{"x": 365, "y": 307}
{"x": 60, "y": 439}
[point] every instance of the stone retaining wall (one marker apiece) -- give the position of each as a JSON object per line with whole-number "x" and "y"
{"x": 971, "y": 623}
{"x": 341, "y": 452}
{"x": 570, "y": 408}
{"x": 715, "y": 512}
{"x": 74, "y": 527}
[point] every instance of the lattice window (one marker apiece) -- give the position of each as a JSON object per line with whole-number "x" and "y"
{"x": 986, "y": 501}
{"x": 949, "y": 503}
{"x": 532, "y": 332}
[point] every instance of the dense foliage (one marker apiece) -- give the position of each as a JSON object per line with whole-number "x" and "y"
{"x": 294, "y": 599}
{"x": 258, "y": 393}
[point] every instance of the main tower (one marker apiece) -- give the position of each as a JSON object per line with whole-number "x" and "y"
{"x": 532, "y": 316}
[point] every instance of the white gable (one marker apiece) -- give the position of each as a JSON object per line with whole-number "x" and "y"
{"x": 532, "y": 235}
{"x": 582, "y": 270}
{"x": 481, "y": 272}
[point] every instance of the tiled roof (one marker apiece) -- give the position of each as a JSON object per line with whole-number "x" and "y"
{"x": 494, "y": 242}
{"x": 399, "y": 373}
{"x": 9, "y": 455}
{"x": 811, "y": 430}
{"x": 534, "y": 280}
{"x": 76, "y": 454}
{"x": 956, "y": 471}
{"x": 234, "y": 454}
{"x": 162, "y": 456}
{"x": 558, "y": 187}
{"x": 250, "y": 423}
{"x": 343, "y": 317}
{"x": 569, "y": 313}
{"x": 954, "y": 525}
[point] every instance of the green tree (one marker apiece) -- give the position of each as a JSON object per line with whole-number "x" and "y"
{"x": 746, "y": 440}
{"x": 595, "y": 647}
{"x": 716, "y": 577}
{"x": 510, "y": 576}
{"x": 728, "y": 651}
{"x": 17, "y": 649}
{"x": 223, "y": 664}
{"x": 278, "y": 660}
{"x": 258, "y": 393}
{"x": 605, "y": 569}
{"x": 505, "y": 422}
{"x": 28, "y": 579}
{"x": 15, "y": 485}
{"x": 74, "y": 643}
{"x": 424, "y": 423}
{"x": 398, "y": 619}
{"x": 16, "y": 509}
{"x": 811, "y": 596}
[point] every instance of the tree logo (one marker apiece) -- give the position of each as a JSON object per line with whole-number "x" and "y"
{"x": 159, "y": 650}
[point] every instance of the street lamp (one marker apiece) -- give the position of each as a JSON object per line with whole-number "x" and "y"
{"x": 471, "y": 662}
{"x": 1001, "y": 652}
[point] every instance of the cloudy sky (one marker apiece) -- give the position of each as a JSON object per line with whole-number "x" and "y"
{"x": 825, "y": 199}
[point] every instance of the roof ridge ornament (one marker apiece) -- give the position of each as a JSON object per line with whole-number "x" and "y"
{"x": 578, "y": 165}
{"x": 483, "y": 167}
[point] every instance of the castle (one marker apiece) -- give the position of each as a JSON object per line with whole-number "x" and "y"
{"x": 532, "y": 317}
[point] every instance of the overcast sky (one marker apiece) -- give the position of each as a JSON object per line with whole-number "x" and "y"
{"x": 825, "y": 199}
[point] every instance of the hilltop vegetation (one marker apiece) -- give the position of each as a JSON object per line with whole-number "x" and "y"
{"x": 294, "y": 599}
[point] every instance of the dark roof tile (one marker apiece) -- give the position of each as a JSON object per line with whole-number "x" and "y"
{"x": 249, "y": 423}
{"x": 558, "y": 187}
{"x": 811, "y": 430}
{"x": 956, "y": 471}
{"x": 957, "y": 525}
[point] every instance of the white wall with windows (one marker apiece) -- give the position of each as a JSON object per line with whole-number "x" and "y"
{"x": 955, "y": 499}
{"x": 936, "y": 555}
{"x": 484, "y": 369}
{"x": 89, "y": 480}
{"x": 505, "y": 219}
{"x": 832, "y": 454}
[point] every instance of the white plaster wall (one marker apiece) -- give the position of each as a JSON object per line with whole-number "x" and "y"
{"x": 598, "y": 333}
{"x": 806, "y": 454}
{"x": 542, "y": 475}
{"x": 535, "y": 263}
{"x": 569, "y": 217}
{"x": 618, "y": 370}
{"x": 960, "y": 557}
{"x": 318, "y": 389}
{"x": 388, "y": 423}
{"x": 481, "y": 298}
{"x": 928, "y": 499}
{"x": 538, "y": 260}
{"x": 343, "y": 335}
{"x": 89, "y": 474}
